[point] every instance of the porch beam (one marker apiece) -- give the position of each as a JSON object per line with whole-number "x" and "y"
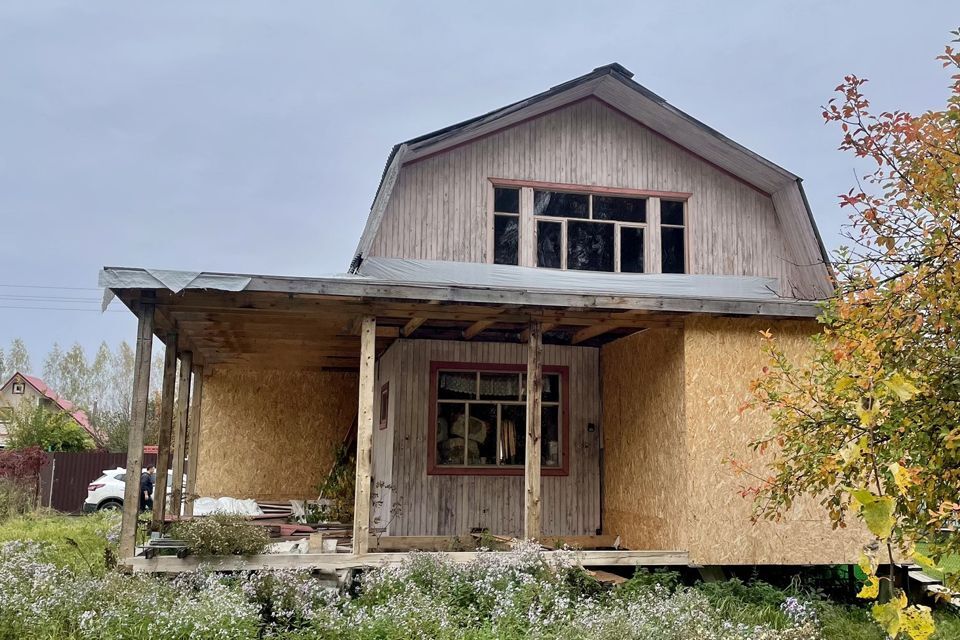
{"x": 361, "y": 506}
{"x": 412, "y": 325}
{"x": 138, "y": 424}
{"x": 167, "y": 395}
{"x": 477, "y": 328}
{"x": 180, "y": 435}
{"x": 193, "y": 439}
{"x": 532, "y": 506}
{"x": 595, "y": 330}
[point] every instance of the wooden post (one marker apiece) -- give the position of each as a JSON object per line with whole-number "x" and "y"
{"x": 167, "y": 394}
{"x": 138, "y": 424}
{"x": 531, "y": 515}
{"x": 193, "y": 441}
{"x": 180, "y": 435}
{"x": 361, "y": 505}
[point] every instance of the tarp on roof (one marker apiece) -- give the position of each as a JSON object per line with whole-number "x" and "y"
{"x": 493, "y": 276}
{"x": 175, "y": 281}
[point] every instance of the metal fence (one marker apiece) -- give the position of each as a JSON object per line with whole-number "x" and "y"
{"x": 63, "y": 482}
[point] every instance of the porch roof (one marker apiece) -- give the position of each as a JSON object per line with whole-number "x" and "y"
{"x": 300, "y": 322}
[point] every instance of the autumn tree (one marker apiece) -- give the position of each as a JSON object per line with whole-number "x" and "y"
{"x": 871, "y": 423}
{"x": 50, "y": 429}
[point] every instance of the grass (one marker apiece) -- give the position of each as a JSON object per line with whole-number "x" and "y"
{"x": 75, "y": 542}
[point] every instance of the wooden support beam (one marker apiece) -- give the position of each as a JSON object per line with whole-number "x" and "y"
{"x": 532, "y": 506}
{"x": 138, "y": 424}
{"x": 361, "y": 506}
{"x": 412, "y": 326}
{"x": 595, "y": 330}
{"x": 193, "y": 439}
{"x": 167, "y": 395}
{"x": 477, "y": 328}
{"x": 180, "y": 435}
{"x": 525, "y": 334}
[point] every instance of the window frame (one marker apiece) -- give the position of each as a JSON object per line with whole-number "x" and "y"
{"x": 433, "y": 468}
{"x": 686, "y": 240}
{"x": 527, "y": 242}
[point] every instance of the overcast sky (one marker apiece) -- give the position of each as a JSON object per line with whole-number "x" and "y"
{"x": 250, "y": 136}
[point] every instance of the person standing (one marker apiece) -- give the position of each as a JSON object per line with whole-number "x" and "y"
{"x": 146, "y": 488}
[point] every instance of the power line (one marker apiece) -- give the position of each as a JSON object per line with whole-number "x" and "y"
{"x": 47, "y": 298}
{"x": 46, "y": 286}
{"x": 61, "y": 309}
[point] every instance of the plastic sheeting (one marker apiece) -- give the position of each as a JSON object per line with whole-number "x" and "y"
{"x": 435, "y": 272}
{"x": 234, "y": 506}
{"x": 175, "y": 281}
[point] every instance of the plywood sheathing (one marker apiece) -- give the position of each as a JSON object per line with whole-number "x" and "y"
{"x": 722, "y": 355}
{"x": 271, "y": 435}
{"x": 644, "y": 490}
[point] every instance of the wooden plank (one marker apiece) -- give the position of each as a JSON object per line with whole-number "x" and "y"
{"x": 412, "y": 326}
{"x": 337, "y": 561}
{"x": 580, "y": 542}
{"x": 596, "y": 330}
{"x": 361, "y": 507}
{"x": 165, "y": 435}
{"x": 532, "y": 486}
{"x": 420, "y": 543}
{"x": 193, "y": 439}
{"x": 180, "y": 435}
{"x": 138, "y": 424}
{"x": 477, "y": 328}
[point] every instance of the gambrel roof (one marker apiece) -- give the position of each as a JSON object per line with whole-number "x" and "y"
{"x": 614, "y": 86}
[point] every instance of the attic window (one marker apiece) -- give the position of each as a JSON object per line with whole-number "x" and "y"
{"x": 589, "y": 232}
{"x": 506, "y": 226}
{"x": 18, "y": 388}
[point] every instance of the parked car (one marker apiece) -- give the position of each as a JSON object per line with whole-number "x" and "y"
{"x": 106, "y": 492}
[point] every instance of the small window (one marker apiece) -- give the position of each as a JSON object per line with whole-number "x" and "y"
{"x": 506, "y": 200}
{"x": 558, "y": 204}
{"x": 619, "y": 209}
{"x": 384, "y": 405}
{"x": 631, "y": 249}
{"x": 589, "y": 246}
{"x": 672, "y": 237}
{"x": 549, "y": 244}
{"x": 19, "y": 388}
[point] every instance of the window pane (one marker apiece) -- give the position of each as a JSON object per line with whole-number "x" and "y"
{"x": 551, "y": 387}
{"x": 548, "y": 244}
{"x": 506, "y": 239}
{"x": 499, "y": 386}
{"x": 450, "y": 447}
{"x": 631, "y": 249}
{"x": 457, "y": 385}
{"x": 482, "y": 435}
{"x": 513, "y": 434}
{"x": 671, "y": 212}
{"x": 590, "y": 246}
{"x": 671, "y": 240}
{"x": 622, "y": 209}
{"x": 506, "y": 200}
{"x": 550, "y": 430}
{"x": 563, "y": 205}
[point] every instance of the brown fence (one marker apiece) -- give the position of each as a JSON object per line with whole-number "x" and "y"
{"x": 63, "y": 482}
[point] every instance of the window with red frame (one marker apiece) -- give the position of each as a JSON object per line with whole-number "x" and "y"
{"x": 480, "y": 419}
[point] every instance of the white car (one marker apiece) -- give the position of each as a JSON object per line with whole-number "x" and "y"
{"x": 106, "y": 492}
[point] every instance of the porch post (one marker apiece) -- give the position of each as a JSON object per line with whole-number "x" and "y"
{"x": 180, "y": 435}
{"x": 167, "y": 393}
{"x": 531, "y": 515}
{"x": 138, "y": 423}
{"x": 196, "y": 400}
{"x": 361, "y": 505}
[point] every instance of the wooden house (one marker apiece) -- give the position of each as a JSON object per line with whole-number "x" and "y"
{"x": 21, "y": 388}
{"x": 546, "y": 331}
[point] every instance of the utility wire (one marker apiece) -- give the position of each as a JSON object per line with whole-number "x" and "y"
{"x": 45, "y": 286}
{"x": 61, "y": 309}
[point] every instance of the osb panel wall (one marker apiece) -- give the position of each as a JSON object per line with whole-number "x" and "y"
{"x": 721, "y": 357}
{"x": 271, "y": 435}
{"x": 644, "y": 486}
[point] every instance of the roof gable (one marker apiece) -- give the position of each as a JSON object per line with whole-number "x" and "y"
{"x": 613, "y": 86}
{"x": 41, "y": 387}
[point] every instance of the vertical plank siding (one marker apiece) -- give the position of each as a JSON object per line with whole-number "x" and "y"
{"x": 451, "y": 504}
{"x": 440, "y": 208}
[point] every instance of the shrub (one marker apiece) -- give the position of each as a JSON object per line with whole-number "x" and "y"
{"x": 15, "y": 499}
{"x": 221, "y": 534}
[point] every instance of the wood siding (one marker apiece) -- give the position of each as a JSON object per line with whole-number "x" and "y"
{"x": 440, "y": 209}
{"x": 450, "y": 505}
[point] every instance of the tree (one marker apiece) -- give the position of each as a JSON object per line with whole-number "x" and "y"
{"x": 871, "y": 424}
{"x": 34, "y": 425}
{"x": 18, "y": 358}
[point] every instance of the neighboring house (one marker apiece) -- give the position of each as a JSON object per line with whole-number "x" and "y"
{"x": 23, "y": 388}
{"x": 591, "y": 246}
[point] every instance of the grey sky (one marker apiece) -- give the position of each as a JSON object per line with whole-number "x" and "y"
{"x": 250, "y": 136}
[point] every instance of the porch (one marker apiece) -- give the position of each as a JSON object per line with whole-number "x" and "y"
{"x": 545, "y": 482}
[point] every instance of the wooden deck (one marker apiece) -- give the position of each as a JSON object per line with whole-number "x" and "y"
{"x": 339, "y": 561}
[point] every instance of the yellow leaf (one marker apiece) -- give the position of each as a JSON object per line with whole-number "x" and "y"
{"x": 888, "y": 615}
{"x": 870, "y": 590}
{"x": 900, "y": 477}
{"x": 853, "y": 450}
{"x": 843, "y": 384}
{"x": 917, "y": 622}
{"x": 901, "y": 386}
{"x": 924, "y": 561}
{"x": 866, "y": 565}
{"x": 877, "y": 512}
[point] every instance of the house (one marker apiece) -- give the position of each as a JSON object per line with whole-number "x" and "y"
{"x": 546, "y": 331}
{"x": 21, "y": 388}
